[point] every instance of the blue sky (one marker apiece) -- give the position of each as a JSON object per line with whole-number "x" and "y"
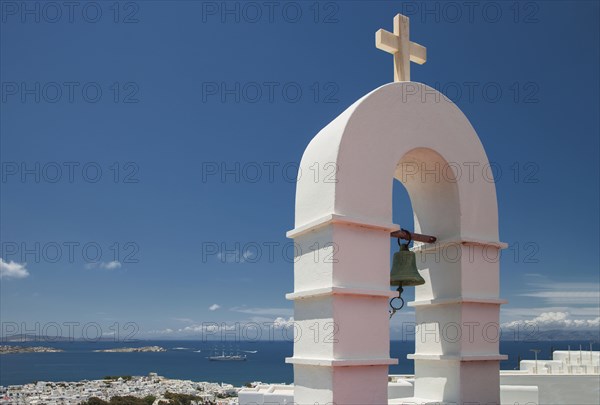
{"x": 149, "y": 150}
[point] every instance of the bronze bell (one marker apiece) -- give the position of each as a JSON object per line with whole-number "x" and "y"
{"x": 404, "y": 271}
{"x": 404, "y": 268}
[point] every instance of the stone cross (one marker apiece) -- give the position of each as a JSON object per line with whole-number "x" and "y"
{"x": 399, "y": 45}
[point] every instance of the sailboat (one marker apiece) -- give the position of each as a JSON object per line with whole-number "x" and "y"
{"x": 227, "y": 357}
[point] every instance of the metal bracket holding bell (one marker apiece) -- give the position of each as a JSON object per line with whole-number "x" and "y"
{"x": 418, "y": 237}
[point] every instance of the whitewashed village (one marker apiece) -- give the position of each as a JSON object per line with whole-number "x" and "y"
{"x": 151, "y": 386}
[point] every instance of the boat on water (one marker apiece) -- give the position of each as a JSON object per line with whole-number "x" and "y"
{"x": 227, "y": 357}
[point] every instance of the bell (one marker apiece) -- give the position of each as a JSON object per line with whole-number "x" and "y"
{"x": 404, "y": 268}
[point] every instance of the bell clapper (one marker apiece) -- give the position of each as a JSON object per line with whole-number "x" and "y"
{"x": 399, "y": 297}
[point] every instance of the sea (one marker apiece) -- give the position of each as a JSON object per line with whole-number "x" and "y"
{"x": 187, "y": 360}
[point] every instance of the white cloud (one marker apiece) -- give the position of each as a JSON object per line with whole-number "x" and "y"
{"x": 237, "y": 256}
{"x": 111, "y": 265}
{"x": 208, "y": 328}
{"x": 556, "y": 304}
{"x": 551, "y": 293}
{"x": 214, "y": 307}
{"x": 567, "y": 297}
{"x": 167, "y": 331}
{"x": 212, "y": 328}
{"x": 522, "y": 313}
{"x": 264, "y": 311}
{"x": 184, "y": 320}
{"x": 241, "y": 330}
{"x": 13, "y": 269}
{"x": 104, "y": 265}
{"x": 556, "y": 320}
{"x": 281, "y": 323}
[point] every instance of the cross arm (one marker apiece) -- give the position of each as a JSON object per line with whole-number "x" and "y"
{"x": 418, "y": 53}
{"x": 388, "y": 42}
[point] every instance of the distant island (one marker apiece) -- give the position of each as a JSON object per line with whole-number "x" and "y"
{"x": 133, "y": 349}
{"x": 27, "y": 349}
{"x": 22, "y": 338}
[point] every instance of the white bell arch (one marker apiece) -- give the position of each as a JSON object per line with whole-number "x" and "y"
{"x": 343, "y": 220}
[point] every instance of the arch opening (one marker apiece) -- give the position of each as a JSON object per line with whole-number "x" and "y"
{"x": 425, "y": 185}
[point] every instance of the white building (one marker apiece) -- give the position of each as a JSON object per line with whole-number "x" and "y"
{"x": 569, "y": 378}
{"x": 267, "y": 394}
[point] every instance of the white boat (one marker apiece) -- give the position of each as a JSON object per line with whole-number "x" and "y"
{"x": 227, "y": 357}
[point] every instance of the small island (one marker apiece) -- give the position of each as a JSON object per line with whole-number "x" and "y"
{"x": 133, "y": 349}
{"x": 6, "y": 349}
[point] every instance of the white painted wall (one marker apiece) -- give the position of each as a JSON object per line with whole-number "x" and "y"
{"x": 267, "y": 395}
{"x": 519, "y": 395}
{"x": 558, "y": 389}
{"x": 516, "y": 388}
